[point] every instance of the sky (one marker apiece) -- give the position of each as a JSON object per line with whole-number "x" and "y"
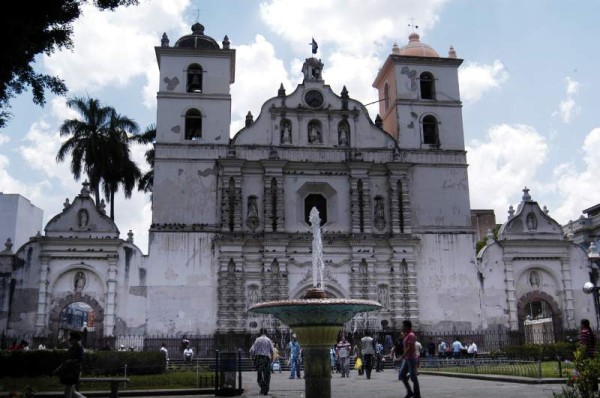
{"x": 527, "y": 84}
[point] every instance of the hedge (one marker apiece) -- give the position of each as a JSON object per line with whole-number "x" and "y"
{"x": 43, "y": 362}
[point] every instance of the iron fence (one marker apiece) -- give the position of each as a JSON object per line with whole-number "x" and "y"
{"x": 204, "y": 346}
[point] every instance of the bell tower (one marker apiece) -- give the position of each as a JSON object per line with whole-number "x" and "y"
{"x": 420, "y": 100}
{"x": 194, "y": 101}
{"x": 193, "y": 116}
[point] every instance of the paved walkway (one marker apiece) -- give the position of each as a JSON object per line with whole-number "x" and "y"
{"x": 386, "y": 384}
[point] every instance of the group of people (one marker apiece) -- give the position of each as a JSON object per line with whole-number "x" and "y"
{"x": 456, "y": 349}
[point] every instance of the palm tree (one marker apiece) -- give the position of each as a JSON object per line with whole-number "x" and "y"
{"x": 86, "y": 141}
{"x": 146, "y": 181}
{"x": 99, "y": 145}
{"x": 119, "y": 170}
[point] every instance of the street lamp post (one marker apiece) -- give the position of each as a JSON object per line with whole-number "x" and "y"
{"x": 591, "y": 288}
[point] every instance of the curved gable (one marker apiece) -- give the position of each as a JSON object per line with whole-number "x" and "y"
{"x": 82, "y": 219}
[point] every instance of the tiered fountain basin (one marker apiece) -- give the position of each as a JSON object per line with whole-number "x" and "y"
{"x": 316, "y": 320}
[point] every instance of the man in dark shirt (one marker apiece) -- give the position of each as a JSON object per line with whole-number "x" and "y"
{"x": 587, "y": 339}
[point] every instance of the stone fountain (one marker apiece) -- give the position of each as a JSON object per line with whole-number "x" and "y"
{"x": 316, "y": 319}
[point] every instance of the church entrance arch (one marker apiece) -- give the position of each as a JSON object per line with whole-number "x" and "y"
{"x": 77, "y": 312}
{"x": 540, "y": 318}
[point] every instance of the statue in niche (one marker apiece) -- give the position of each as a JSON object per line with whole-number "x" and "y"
{"x": 383, "y": 296}
{"x": 275, "y": 266}
{"x": 379, "y": 213}
{"x": 252, "y": 295}
{"x": 531, "y": 220}
{"x": 286, "y": 133}
{"x": 343, "y": 134}
{"x": 82, "y": 218}
{"x": 314, "y": 135}
{"x": 231, "y": 266}
{"x": 252, "y": 216}
{"x": 79, "y": 281}
{"x": 534, "y": 278}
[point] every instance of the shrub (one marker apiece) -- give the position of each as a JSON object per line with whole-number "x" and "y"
{"x": 43, "y": 362}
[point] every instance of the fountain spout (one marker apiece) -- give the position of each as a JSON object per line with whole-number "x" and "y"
{"x": 317, "y": 250}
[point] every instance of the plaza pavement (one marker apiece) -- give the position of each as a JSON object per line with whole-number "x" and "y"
{"x": 386, "y": 385}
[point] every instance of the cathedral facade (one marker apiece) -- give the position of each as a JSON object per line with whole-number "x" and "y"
{"x": 230, "y": 216}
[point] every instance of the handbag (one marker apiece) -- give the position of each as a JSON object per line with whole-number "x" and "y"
{"x": 358, "y": 364}
{"x": 276, "y": 366}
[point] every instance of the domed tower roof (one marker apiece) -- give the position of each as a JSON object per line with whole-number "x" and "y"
{"x": 197, "y": 39}
{"x": 415, "y": 48}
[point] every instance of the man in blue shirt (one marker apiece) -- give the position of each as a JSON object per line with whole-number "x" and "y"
{"x": 295, "y": 352}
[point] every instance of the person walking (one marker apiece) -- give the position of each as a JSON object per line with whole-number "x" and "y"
{"x": 262, "y": 352}
{"x": 70, "y": 370}
{"x": 367, "y": 345}
{"x": 378, "y": 357}
{"x": 276, "y": 365}
{"x": 587, "y": 341}
{"x": 165, "y": 352}
{"x": 295, "y": 352}
{"x": 342, "y": 352}
{"x": 409, "y": 362}
{"x": 441, "y": 348}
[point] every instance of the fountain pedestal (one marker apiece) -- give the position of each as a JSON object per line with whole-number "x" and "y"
{"x": 316, "y": 320}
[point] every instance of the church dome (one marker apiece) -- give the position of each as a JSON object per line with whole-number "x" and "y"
{"x": 415, "y": 48}
{"x": 197, "y": 39}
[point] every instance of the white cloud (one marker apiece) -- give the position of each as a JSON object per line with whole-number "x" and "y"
{"x": 503, "y": 164}
{"x": 568, "y": 108}
{"x": 259, "y": 83}
{"x": 112, "y": 48}
{"x": 357, "y": 26}
{"x": 476, "y": 79}
{"x": 4, "y": 139}
{"x": 577, "y": 189}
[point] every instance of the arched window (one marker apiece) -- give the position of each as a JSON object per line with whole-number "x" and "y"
{"x": 194, "y": 78}
{"x": 427, "y": 86}
{"x": 430, "y": 130}
{"x": 320, "y": 202}
{"x": 386, "y": 96}
{"x": 193, "y": 124}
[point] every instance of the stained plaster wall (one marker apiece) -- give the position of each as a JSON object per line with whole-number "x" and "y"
{"x": 189, "y": 191}
{"x": 440, "y": 197}
{"x": 181, "y": 283}
{"x": 447, "y": 283}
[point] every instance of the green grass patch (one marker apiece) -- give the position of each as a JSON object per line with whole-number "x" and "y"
{"x": 550, "y": 369}
{"x": 168, "y": 380}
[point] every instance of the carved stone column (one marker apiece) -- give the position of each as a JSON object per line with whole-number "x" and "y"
{"x": 111, "y": 293}
{"x": 42, "y": 304}
{"x": 511, "y": 300}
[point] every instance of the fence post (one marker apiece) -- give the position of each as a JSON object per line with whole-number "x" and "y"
{"x": 197, "y": 374}
{"x": 539, "y": 369}
{"x": 240, "y": 369}
{"x": 216, "y": 372}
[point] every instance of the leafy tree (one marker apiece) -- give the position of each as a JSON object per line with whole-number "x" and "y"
{"x": 31, "y": 30}
{"x": 483, "y": 241}
{"x": 99, "y": 145}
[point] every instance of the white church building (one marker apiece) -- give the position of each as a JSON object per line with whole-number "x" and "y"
{"x": 230, "y": 216}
